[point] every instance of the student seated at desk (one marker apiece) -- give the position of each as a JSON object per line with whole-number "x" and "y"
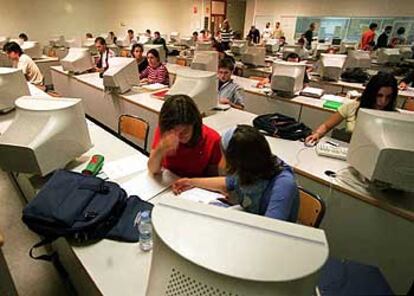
{"x": 131, "y": 37}
{"x": 102, "y": 64}
{"x": 222, "y": 52}
{"x": 182, "y": 143}
{"x": 205, "y": 36}
{"x": 229, "y": 92}
{"x": 380, "y": 93}
{"x": 137, "y": 52}
{"x": 112, "y": 37}
{"x": 23, "y": 36}
{"x": 407, "y": 81}
{"x": 23, "y": 62}
{"x": 88, "y": 35}
{"x": 156, "y": 72}
{"x": 260, "y": 182}
{"x": 293, "y": 58}
{"x": 159, "y": 40}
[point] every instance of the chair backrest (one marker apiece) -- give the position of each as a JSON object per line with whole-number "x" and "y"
{"x": 311, "y": 210}
{"x": 135, "y": 127}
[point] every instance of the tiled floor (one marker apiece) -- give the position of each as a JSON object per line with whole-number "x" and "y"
{"x": 30, "y": 277}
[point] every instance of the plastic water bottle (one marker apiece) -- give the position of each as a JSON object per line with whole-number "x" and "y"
{"x": 145, "y": 231}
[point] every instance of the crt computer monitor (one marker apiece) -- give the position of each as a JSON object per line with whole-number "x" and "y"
{"x": 201, "y": 86}
{"x": 123, "y": 41}
{"x": 13, "y": 85}
{"x": 346, "y": 46}
{"x": 205, "y": 60}
{"x": 336, "y": 41}
{"x": 73, "y": 42}
{"x": 272, "y": 45}
{"x": 186, "y": 41}
{"x": 3, "y": 41}
{"x": 4, "y": 60}
{"x": 238, "y": 46}
{"x": 45, "y": 135}
{"x": 228, "y": 252}
{"x": 254, "y": 55}
{"x": 159, "y": 47}
{"x": 382, "y": 148}
{"x": 121, "y": 75}
{"x": 320, "y": 48}
{"x": 203, "y": 46}
{"x": 57, "y": 41}
{"x": 406, "y": 51}
{"x": 32, "y": 49}
{"x": 78, "y": 60}
{"x": 298, "y": 49}
{"x": 358, "y": 59}
{"x": 174, "y": 37}
{"x": 89, "y": 43}
{"x": 388, "y": 56}
{"x": 332, "y": 66}
{"x": 287, "y": 78}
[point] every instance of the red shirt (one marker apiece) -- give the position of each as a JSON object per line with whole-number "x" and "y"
{"x": 366, "y": 39}
{"x": 193, "y": 161}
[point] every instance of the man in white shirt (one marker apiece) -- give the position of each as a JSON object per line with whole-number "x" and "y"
{"x": 102, "y": 64}
{"x": 267, "y": 32}
{"x": 23, "y": 62}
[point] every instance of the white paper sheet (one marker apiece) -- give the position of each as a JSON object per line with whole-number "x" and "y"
{"x": 125, "y": 166}
{"x": 201, "y": 195}
{"x": 147, "y": 186}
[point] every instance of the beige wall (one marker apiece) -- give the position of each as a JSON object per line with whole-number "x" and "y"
{"x": 41, "y": 19}
{"x": 158, "y": 15}
{"x": 279, "y": 8}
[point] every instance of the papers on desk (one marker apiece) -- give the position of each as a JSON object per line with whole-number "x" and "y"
{"x": 222, "y": 107}
{"x": 154, "y": 86}
{"x": 146, "y": 186}
{"x": 312, "y": 92}
{"x": 201, "y": 195}
{"x": 125, "y": 166}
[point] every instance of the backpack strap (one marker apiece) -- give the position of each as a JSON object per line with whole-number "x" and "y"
{"x": 43, "y": 242}
{"x": 53, "y": 258}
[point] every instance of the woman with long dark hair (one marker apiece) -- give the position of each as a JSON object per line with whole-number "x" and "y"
{"x": 182, "y": 143}
{"x": 380, "y": 93}
{"x": 260, "y": 182}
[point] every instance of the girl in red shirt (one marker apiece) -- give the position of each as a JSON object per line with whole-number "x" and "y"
{"x": 182, "y": 143}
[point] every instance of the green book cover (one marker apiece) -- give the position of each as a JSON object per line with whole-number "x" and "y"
{"x": 332, "y": 105}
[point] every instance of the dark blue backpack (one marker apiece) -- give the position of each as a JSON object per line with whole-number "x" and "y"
{"x": 76, "y": 206}
{"x": 83, "y": 208}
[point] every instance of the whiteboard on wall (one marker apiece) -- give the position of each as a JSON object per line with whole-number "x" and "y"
{"x": 288, "y": 25}
{"x": 260, "y": 21}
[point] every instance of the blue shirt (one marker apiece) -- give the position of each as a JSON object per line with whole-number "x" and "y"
{"x": 277, "y": 198}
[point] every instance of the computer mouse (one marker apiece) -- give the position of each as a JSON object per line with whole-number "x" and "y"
{"x": 310, "y": 143}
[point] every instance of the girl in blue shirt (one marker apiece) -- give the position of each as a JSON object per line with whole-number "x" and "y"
{"x": 255, "y": 178}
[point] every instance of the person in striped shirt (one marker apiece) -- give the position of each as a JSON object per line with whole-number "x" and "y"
{"x": 156, "y": 72}
{"x": 226, "y": 35}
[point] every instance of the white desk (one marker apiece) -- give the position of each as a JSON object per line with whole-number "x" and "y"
{"x": 106, "y": 267}
{"x": 103, "y": 106}
{"x": 307, "y": 110}
{"x": 363, "y": 225}
{"x": 342, "y": 86}
{"x": 44, "y": 65}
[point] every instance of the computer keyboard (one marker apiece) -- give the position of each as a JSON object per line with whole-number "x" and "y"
{"x": 329, "y": 150}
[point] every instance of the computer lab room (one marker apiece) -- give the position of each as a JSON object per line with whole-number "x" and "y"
{"x": 206, "y": 147}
